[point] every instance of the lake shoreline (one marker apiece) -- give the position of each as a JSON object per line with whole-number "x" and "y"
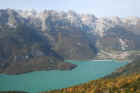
{"x": 73, "y": 65}
{"x": 55, "y": 79}
{"x": 100, "y": 60}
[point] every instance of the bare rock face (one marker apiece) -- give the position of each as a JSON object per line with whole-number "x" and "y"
{"x": 31, "y": 41}
{"x": 102, "y": 28}
{"x": 24, "y": 48}
{"x": 68, "y": 35}
{"x": 28, "y": 38}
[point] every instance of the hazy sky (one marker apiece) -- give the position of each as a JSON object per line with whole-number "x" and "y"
{"x": 121, "y": 8}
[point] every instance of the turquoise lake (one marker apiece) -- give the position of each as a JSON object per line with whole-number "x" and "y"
{"x": 35, "y": 82}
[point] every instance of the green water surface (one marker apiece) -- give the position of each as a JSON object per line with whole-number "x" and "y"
{"x": 35, "y": 82}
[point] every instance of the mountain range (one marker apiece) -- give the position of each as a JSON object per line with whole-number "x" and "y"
{"x": 43, "y": 40}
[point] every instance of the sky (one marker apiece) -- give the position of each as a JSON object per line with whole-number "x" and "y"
{"x": 100, "y": 8}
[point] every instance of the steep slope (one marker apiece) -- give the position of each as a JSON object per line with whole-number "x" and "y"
{"x": 124, "y": 84}
{"x": 118, "y": 37}
{"x": 68, "y": 35}
{"x": 110, "y": 34}
{"x": 133, "y": 67}
{"x": 64, "y": 35}
{"x": 22, "y": 46}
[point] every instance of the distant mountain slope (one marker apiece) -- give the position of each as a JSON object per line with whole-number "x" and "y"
{"x": 108, "y": 33}
{"x": 27, "y": 36}
{"x": 68, "y": 35}
{"x": 24, "y": 49}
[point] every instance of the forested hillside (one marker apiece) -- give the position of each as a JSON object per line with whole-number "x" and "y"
{"x": 122, "y": 84}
